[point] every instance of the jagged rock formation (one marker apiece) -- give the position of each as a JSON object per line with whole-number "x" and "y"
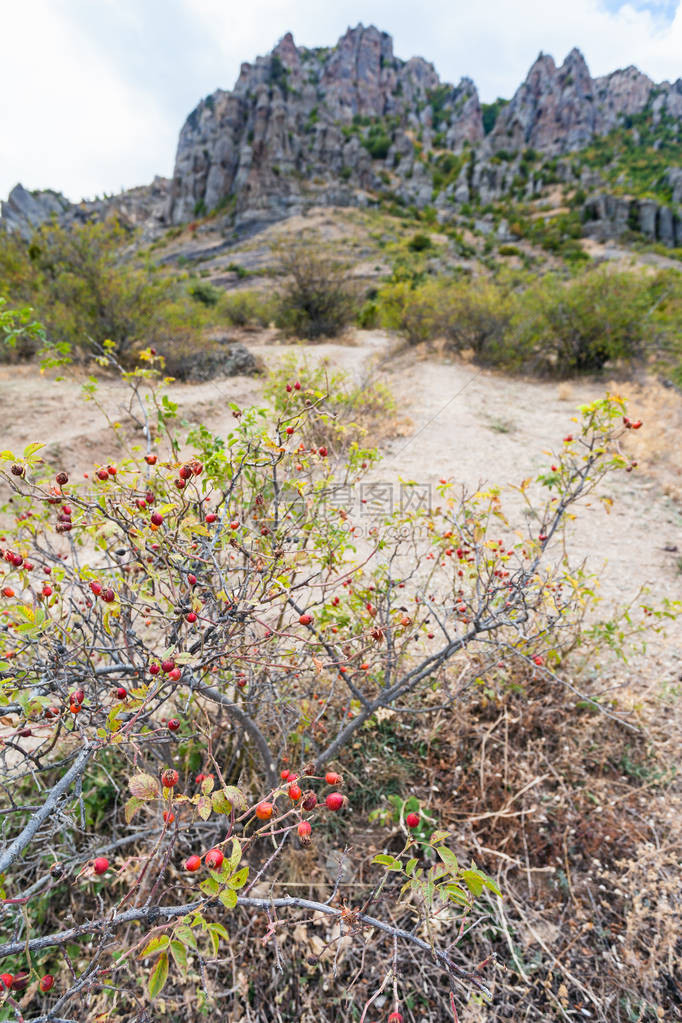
{"x": 340, "y": 125}
{"x": 293, "y": 127}
{"x": 143, "y": 207}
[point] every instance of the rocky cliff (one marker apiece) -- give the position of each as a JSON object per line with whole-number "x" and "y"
{"x": 340, "y": 125}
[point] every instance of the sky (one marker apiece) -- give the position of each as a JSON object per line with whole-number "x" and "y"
{"x": 93, "y": 93}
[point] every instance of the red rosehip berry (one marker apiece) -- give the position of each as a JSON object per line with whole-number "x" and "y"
{"x": 101, "y": 865}
{"x": 191, "y": 579}
{"x": 305, "y": 619}
{"x": 173, "y": 725}
{"x": 214, "y": 859}
{"x": 323, "y": 452}
{"x": 150, "y": 459}
{"x": 121, "y": 693}
{"x": 395, "y": 1017}
{"x": 96, "y": 588}
{"x": 46, "y": 591}
{"x": 284, "y": 775}
{"x": 332, "y": 778}
{"x": 169, "y": 778}
{"x": 168, "y": 816}
{"x": 108, "y": 596}
{"x": 295, "y": 792}
{"x": 193, "y": 863}
{"x": 61, "y": 478}
{"x": 412, "y": 820}
{"x": 211, "y": 517}
{"x": 156, "y": 518}
{"x": 20, "y": 981}
{"x": 6, "y": 981}
{"x": 46, "y": 982}
{"x": 334, "y": 801}
{"x": 304, "y": 829}
{"x": 191, "y": 617}
{"x": 154, "y": 669}
{"x": 264, "y": 811}
{"x": 309, "y": 801}
{"x": 167, "y": 666}
{"x": 175, "y": 675}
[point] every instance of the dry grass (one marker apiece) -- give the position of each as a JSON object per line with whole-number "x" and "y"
{"x": 657, "y": 447}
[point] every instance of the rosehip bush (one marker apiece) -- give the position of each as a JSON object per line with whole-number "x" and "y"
{"x": 198, "y": 636}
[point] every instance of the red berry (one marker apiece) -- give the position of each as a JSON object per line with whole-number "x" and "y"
{"x": 193, "y": 863}
{"x": 108, "y": 596}
{"x": 191, "y": 617}
{"x": 168, "y": 816}
{"x": 192, "y": 579}
{"x": 111, "y": 469}
{"x": 264, "y": 811}
{"x": 309, "y": 801}
{"x": 395, "y": 1017}
{"x": 538, "y": 660}
{"x": 121, "y": 692}
{"x": 180, "y": 484}
{"x": 169, "y": 778}
{"x": 154, "y": 669}
{"x": 102, "y": 474}
{"x": 323, "y": 452}
{"x": 332, "y": 778}
{"x": 304, "y": 829}
{"x": 173, "y": 725}
{"x": 305, "y": 619}
{"x": 101, "y": 865}
{"x": 284, "y": 775}
{"x": 334, "y": 801}
{"x": 211, "y": 517}
{"x": 185, "y": 473}
{"x": 175, "y": 675}
{"x": 412, "y": 820}
{"x": 7, "y": 591}
{"x": 96, "y": 588}
{"x": 150, "y": 459}
{"x": 214, "y": 859}
{"x": 61, "y": 478}
{"x": 234, "y": 524}
{"x": 78, "y": 696}
{"x": 156, "y": 518}
{"x": 167, "y": 665}
{"x": 6, "y": 980}
{"x": 290, "y": 430}
{"x": 47, "y": 591}
{"x": 295, "y": 792}
{"x": 297, "y": 386}
{"x": 46, "y": 982}
{"x": 20, "y": 981}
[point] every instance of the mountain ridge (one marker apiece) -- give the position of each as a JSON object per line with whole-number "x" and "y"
{"x": 337, "y": 125}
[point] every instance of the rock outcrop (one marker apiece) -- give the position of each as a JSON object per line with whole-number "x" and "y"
{"x": 317, "y": 125}
{"x": 143, "y": 207}
{"x": 339, "y": 125}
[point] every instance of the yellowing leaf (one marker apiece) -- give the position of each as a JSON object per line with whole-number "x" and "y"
{"x": 144, "y": 786}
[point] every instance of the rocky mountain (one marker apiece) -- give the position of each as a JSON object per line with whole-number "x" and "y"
{"x": 342, "y": 125}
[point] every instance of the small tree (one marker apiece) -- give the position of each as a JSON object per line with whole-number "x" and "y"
{"x": 316, "y": 298}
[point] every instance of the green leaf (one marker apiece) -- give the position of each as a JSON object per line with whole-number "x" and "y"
{"x": 204, "y": 807}
{"x": 448, "y": 858}
{"x": 473, "y": 881}
{"x": 179, "y": 954}
{"x": 438, "y": 836}
{"x": 185, "y": 934}
{"x": 388, "y": 861}
{"x": 228, "y": 898}
{"x": 210, "y": 886}
{"x": 158, "y": 944}
{"x": 239, "y": 879}
{"x": 236, "y": 854}
{"x": 132, "y": 806}
{"x": 410, "y": 865}
{"x": 159, "y": 976}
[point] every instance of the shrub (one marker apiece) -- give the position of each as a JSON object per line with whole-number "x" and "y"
{"x": 316, "y": 298}
{"x": 246, "y": 309}
{"x": 209, "y": 614}
{"x": 85, "y": 290}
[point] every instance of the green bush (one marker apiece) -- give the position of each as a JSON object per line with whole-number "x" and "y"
{"x": 316, "y": 298}
{"x": 245, "y": 309}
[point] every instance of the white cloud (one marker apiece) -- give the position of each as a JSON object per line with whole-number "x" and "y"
{"x": 93, "y": 96}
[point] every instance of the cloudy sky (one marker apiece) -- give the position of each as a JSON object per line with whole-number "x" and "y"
{"x": 94, "y": 92}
